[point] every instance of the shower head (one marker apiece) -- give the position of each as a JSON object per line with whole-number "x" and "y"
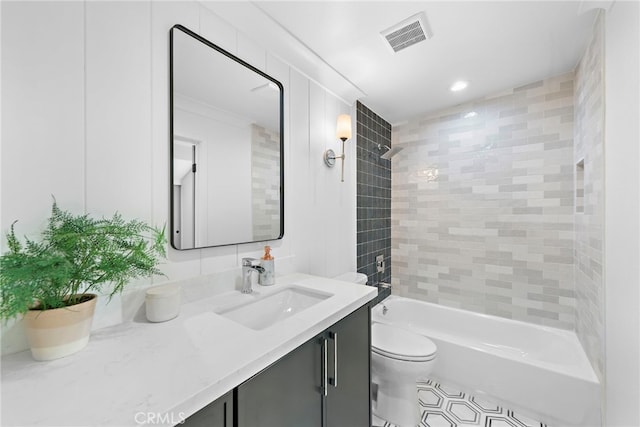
{"x": 387, "y": 155}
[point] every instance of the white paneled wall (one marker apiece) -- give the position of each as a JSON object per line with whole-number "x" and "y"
{"x": 85, "y": 117}
{"x": 117, "y": 92}
{"x": 298, "y": 212}
{"x": 43, "y": 110}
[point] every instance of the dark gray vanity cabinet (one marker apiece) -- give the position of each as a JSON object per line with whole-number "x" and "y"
{"x": 286, "y": 393}
{"x": 348, "y": 401}
{"x": 323, "y": 383}
{"x": 219, "y": 413}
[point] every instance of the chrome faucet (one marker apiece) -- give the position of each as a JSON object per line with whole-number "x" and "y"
{"x": 248, "y": 267}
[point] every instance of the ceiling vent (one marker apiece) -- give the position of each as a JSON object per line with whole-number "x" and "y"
{"x": 408, "y": 32}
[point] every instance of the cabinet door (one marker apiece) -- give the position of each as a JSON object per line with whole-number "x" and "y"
{"x": 348, "y": 401}
{"x": 286, "y": 394}
{"x": 219, "y": 413}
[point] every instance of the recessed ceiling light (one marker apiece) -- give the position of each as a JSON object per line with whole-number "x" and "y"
{"x": 470, "y": 114}
{"x": 459, "y": 85}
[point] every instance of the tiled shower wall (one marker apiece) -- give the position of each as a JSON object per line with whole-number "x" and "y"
{"x": 589, "y": 141}
{"x": 483, "y": 202}
{"x": 374, "y": 194}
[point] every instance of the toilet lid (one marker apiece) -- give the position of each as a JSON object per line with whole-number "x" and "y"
{"x": 397, "y": 343}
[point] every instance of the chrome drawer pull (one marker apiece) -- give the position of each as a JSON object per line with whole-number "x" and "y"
{"x": 334, "y": 337}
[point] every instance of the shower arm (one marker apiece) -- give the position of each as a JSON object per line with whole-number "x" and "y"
{"x": 389, "y": 152}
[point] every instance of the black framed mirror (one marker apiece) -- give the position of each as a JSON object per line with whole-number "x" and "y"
{"x": 227, "y": 146}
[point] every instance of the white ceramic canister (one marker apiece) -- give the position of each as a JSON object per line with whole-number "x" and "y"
{"x": 162, "y": 303}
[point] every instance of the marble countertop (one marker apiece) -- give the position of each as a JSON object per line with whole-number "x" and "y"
{"x": 169, "y": 370}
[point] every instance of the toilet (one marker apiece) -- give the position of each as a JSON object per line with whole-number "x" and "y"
{"x": 398, "y": 359}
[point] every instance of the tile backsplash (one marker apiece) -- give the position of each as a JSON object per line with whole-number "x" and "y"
{"x": 483, "y": 205}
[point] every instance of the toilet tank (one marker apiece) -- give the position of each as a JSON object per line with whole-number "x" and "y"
{"x": 353, "y": 277}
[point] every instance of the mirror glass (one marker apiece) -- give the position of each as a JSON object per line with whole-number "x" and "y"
{"x": 226, "y": 147}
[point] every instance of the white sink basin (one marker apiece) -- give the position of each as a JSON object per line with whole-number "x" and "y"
{"x": 273, "y": 308}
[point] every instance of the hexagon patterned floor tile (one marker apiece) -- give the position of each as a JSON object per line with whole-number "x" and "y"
{"x": 444, "y": 406}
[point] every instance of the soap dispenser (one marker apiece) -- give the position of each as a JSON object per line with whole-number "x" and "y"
{"x": 267, "y": 277}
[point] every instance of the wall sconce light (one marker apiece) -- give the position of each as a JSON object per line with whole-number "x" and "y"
{"x": 343, "y": 132}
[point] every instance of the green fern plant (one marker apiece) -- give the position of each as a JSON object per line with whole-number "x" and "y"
{"x": 76, "y": 255}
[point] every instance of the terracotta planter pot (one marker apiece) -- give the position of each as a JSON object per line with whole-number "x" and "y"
{"x": 59, "y": 332}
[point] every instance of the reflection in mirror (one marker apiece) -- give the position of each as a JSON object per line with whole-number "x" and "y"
{"x": 226, "y": 147}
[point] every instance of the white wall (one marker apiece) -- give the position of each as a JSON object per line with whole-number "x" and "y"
{"x": 85, "y": 117}
{"x": 622, "y": 215}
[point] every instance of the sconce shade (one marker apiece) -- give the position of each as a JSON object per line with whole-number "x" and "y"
{"x": 343, "y": 128}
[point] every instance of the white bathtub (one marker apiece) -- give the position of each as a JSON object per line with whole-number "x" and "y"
{"x": 539, "y": 371}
